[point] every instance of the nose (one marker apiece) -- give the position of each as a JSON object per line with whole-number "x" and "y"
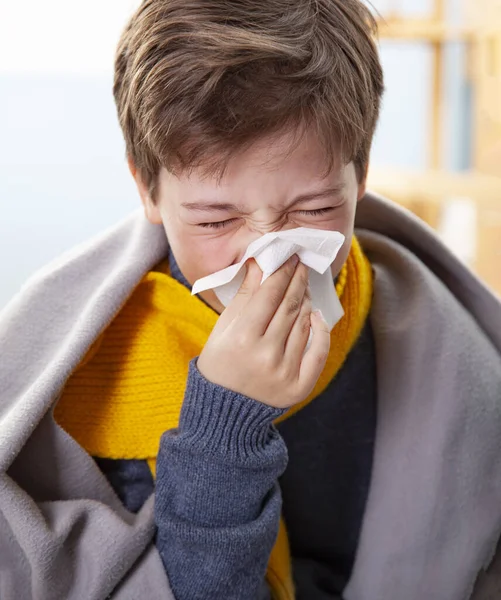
{"x": 255, "y": 232}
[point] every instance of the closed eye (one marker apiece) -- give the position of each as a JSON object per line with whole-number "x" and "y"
{"x": 315, "y": 213}
{"x": 309, "y": 213}
{"x": 217, "y": 224}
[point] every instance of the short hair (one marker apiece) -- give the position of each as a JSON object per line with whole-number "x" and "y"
{"x": 197, "y": 80}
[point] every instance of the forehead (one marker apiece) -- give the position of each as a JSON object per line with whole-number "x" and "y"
{"x": 285, "y": 151}
{"x": 280, "y": 161}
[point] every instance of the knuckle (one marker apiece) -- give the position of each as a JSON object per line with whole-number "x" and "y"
{"x": 285, "y": 372}
{"x": 268, "y": 359}
{"x": 325, "y": 329}
{"x": 305, "y": 324}
{"x": 245, "y": 289}
{"x": 275, "y": 297}
{"x": 242, "y": 340}
{"x": 293, "y": 305}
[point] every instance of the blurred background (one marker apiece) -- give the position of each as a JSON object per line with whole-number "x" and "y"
{"x": 63, "y": 175}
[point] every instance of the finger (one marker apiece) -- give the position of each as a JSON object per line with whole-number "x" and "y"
{"x": 282, "y": 322}
{"x": 252, "y": 279}
{"x": 250, "y": 284}
{"x": 315, "y": 358}
{"x": 298, "y": 338}
{"x": 269, "y": 296}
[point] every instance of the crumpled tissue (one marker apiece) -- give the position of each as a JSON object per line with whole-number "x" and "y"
{"x": 316, "y": 248}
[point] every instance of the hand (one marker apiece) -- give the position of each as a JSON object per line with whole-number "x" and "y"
{"x": 257, "y": 347}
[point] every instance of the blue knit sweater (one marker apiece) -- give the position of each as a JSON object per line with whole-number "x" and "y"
{"x": 226, "y": 474}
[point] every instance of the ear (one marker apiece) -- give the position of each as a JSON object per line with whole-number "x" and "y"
{"x": 362, "y": 185}
{"x": 151, "y": 209}
{"x": 362, "y": 188}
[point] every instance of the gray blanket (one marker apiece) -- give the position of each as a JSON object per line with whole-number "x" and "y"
{"x": 433, "y": 517}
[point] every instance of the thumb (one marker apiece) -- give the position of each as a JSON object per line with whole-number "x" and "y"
{"x": 248, "y": 287}
{"x": 252, "y": 279}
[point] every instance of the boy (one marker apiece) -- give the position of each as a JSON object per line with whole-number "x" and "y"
{"x": 152, "y": 449}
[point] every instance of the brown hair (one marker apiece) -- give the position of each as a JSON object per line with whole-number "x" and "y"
{"x": 197, "y": 80}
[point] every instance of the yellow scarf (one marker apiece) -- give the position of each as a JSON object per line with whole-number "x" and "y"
{"x": 129, "y": 387}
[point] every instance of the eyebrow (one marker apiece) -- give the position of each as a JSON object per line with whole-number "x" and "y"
{"x": 218, "y": 206}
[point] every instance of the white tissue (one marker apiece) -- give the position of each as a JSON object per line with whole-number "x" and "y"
{"x": 316, "y": 248}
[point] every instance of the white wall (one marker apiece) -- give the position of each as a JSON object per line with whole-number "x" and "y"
{"x": 62, "y": 166}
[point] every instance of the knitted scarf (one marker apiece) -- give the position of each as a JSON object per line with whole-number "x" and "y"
{"x": 129, "y": 387}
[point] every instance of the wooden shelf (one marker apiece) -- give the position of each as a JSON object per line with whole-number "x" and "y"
{"x": 434, "y": 186}
{"x": 426, "y": 192}
{"x": 425, "y": 30}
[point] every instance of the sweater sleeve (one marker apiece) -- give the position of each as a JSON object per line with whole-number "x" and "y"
{"x": 217, "y": 497}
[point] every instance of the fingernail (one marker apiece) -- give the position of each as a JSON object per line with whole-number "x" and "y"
{"x": 294, "y": 259}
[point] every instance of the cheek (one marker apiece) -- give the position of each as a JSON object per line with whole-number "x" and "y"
{"x": 341, "y": 257}
{"x": 345, "y": 224}
{"x": 198, "y": 256}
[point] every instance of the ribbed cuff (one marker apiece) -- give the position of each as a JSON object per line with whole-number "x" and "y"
{"x": 225, "y": 422}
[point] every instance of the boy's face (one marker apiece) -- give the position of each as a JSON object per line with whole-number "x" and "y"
{"x": 209, "y": 222}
